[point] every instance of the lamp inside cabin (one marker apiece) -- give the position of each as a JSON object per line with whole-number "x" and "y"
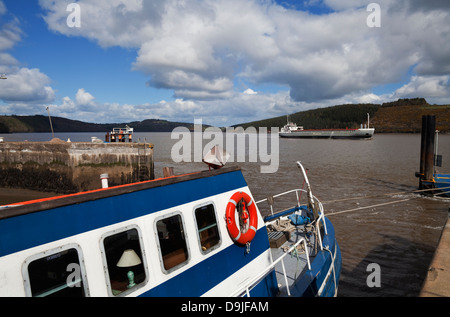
{"x": 129, "y": 259}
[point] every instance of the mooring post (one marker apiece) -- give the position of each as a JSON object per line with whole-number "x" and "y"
{"x": 427, "y": 149}
{"x": 429, "y": 158}
{"x": 104, "y": 178}
{"x": 422, "y": 150}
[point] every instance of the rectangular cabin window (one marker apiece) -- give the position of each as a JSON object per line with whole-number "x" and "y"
{"x": 208, "y": 231}
{"x": 56, "y": 275}
{"x": 124, "y": 260}
{"x": 172, "y": 242}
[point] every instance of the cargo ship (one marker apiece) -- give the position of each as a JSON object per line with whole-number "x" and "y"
{"x": 291, "y": 130}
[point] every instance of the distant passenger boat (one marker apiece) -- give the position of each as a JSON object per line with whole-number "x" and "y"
{"x": 291, "y": 130}
{"x": 120, "y": 135}
{"x": 199, "y": 234}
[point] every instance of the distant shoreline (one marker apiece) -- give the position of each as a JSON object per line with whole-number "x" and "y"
{"x": 401, "y": 116}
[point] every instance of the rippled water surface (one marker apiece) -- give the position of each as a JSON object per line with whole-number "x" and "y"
{"x": 400, "y": 232}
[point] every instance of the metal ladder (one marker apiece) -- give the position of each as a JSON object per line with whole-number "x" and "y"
{"x": 143, "y": 168}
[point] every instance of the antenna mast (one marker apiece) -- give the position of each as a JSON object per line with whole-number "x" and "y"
{"x": 50, "y": 119}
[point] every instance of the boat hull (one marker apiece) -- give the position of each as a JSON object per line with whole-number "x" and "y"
{"x": 441, "y": 182}
{"x": 330, "y": 134}
{"x": 84, "y": 229}
{"x": 323, "y": 278}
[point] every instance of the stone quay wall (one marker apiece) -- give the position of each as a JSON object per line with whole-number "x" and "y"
{"x": 70, "y": 167}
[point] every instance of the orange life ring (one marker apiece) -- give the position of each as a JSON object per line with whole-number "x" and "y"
{"x": 233, "y": 229}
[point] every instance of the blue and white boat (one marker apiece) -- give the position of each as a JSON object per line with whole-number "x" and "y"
{"x": 174, "y": 236}
{"x": 440, "y": 184}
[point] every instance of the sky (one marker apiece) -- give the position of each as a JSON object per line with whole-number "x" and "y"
{"x": 223, "y": 61}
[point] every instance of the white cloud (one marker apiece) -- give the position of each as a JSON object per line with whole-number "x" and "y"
{"x": 26, "y": 85}
{"x": 203, "y": 50}
{"x": 2, "y": 7}
{"x": 239, "y": 108}
{"x": 10, "y": 34}
{"x": 198, "y": 48}
{"x": 109, "y": 22}
{"x": 250, "y": 92}
{"x": 368, "y": 98}
{"x": 191, "y": 47}
{"x": 84, "y": 98}
{"x": 436, "y": 88}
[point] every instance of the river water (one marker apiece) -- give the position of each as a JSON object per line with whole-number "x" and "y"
{"x": 400, "y": 237}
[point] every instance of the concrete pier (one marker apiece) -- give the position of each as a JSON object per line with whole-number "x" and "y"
{"x": 69, "y": 167}
{"x": 437, "y": 281}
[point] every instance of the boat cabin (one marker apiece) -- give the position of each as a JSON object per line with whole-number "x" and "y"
{"x": 166, "y": 237}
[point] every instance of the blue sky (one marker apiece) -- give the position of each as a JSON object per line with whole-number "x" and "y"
{"x": 224, "y": 61}
{"x": 77, "y": 61}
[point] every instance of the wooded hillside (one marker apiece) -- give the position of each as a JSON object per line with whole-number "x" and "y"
{"x": 401, "y": 116}
{"x": 39, "y": 123}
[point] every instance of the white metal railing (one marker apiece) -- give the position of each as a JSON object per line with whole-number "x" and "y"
{"x": 321, "y": 217}
{"x": 312, "y": 201}
{"x": 331, "y": 270}
{"x": 245, "y": 289}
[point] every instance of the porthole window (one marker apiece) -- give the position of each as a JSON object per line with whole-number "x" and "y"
{"x": 208, "y": 231}
{"x": 124, "y": 261}
{"x": 55, "y": 273}
{"x": 172, "y": 242}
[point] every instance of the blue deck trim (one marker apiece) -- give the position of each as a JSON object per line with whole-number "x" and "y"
{"x": 33, "y": 229}
{"x": 442, "y": 182}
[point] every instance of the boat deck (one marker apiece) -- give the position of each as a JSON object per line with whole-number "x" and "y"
{"x": 295, "y": 263}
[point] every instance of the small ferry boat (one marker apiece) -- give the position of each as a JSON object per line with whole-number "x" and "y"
{"x": 198, "y": 234}
{"x": 291, "y": 130}
{"x": 120, "y": 135}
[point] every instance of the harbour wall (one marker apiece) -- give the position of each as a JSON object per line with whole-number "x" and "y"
{"x": 437, "y": 281}
{"x": 70, "y": 167}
